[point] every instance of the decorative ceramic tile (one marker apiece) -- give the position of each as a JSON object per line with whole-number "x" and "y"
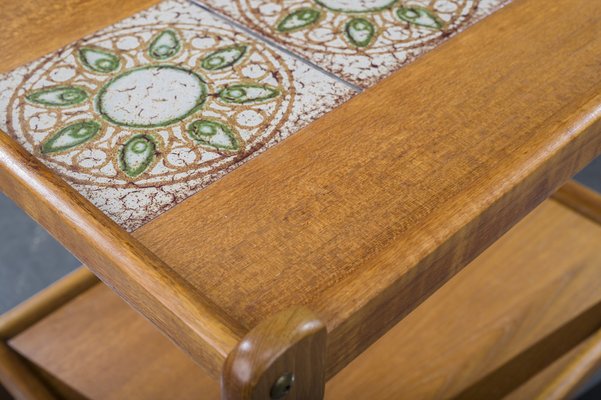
{"x": 361, "y": 41}
{"x": 145, "y": 113}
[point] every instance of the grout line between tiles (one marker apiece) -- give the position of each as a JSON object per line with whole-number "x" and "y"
{"x": 272, "y": 43}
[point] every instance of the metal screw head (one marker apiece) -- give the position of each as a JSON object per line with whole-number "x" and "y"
{"x": 282, "y": 386}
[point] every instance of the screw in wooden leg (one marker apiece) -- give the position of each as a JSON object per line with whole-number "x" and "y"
{"x": 281, "y": 358}
{"x": 282, "y": 386}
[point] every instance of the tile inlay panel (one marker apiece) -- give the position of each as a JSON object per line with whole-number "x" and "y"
{"x": 145, "y": 113}
{"x": 361, "y": 41}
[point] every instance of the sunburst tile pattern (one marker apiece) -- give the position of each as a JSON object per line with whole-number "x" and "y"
{"x": 147, "y": 112}
{"x": 361, "y": 41}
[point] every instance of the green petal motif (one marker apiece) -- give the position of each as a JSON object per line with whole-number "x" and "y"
{"x": 165, "y": 45}
{"x": 247, "y": 93}
{"x": 298, "y": 19}
{"x": 71, "y": 136}
{"x": 58, "y": 96}
{"x": 98, "y": 60}
{"x": 420, "y": 16}
{"x": 137, "y": 154}
{"x": 223, "y": 58}
{"x": 214, "y": 134}
{"x": 359, "y": 31}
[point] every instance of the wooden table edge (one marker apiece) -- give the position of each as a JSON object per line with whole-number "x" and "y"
{"x": 383, "y": 306}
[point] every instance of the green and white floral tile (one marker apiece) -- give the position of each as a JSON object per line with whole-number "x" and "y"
{"x": 361, "y": 41}
{"x": 147, "y": 112}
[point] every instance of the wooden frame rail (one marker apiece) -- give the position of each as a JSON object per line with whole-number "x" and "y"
{"x": 20, "y": 380}
{"x": 43, "y": 303}
{"x": 116, "y": 257}
{"x": 570, "y": 380}
{"x": 15, "y": 372}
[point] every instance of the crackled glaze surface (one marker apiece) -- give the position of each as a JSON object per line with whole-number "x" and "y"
{"x": 361, "y": 41}
{"x": 143, "y": 114}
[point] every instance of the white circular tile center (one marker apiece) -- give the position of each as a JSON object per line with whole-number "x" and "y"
{"x": 151, "y": 96}
{"x": 355, "y": 6}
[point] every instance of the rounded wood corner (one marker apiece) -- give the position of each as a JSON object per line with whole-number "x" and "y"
{"x": 281, "y": 358}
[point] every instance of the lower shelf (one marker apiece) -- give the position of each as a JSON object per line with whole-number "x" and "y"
{"x": 491, "y": 327}
{"x": 504, "y": 326}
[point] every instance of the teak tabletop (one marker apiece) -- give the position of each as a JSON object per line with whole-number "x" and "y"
{"x": 359, "y": 217}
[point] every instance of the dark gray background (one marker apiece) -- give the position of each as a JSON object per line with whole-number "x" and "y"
{"x": 30, "y": 259}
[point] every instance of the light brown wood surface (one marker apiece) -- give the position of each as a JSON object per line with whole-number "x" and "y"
{"x": 292, "y": 345}
{"x": 548, "y": 350}
{"x": 102, "y": 348}
{"x": 35, "y": 308}
{"x": 582, "y": 367}
{"x": 18, "y": 379}
{"x": 370, "y": 209}
{"x": 366, "y": 212}
{"x": 32, "y": 28}
{"x": 533, "y": 282}
{"x": 580, "y": 198}
{"x": 539, "y": 382}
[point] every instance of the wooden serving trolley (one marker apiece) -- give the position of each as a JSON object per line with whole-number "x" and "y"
{"x": 445, "y": 254}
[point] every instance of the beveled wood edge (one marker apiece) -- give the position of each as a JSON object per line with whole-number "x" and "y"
{"x": 16, "y": 375}
{"x": 398, "y": 293}
{"x": 580, "y": 330}
{"x": 577, "y": 372}
{"x": 288, "y": 350}
{"x": 518, "y": 370}
{"x": 45, "y": 302}
{"x": 581, "y": 199}
{"x": 20, "y": 380}
{"x": 117, "y": 258}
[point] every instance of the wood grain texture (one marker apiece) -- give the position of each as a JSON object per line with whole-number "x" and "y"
{"x": 33, "y": 28}
{"x": 371, "y": 208}
{"x": 62, "y": 390}
{"x": 18, "y": 379}
{"x": 539, "y": 382}
{"x": 41, "y": 304}
{"x": 291, "y": 342}
{"x": 103, "y": 349}
{"x": 581, "y": 199}
{"x": 586, "y": 363}
{"x": 116, "y": 257}
{"x": 366, "y": 212}
{"x": 531, "y": 283}
{"x": 524, "y": 366}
